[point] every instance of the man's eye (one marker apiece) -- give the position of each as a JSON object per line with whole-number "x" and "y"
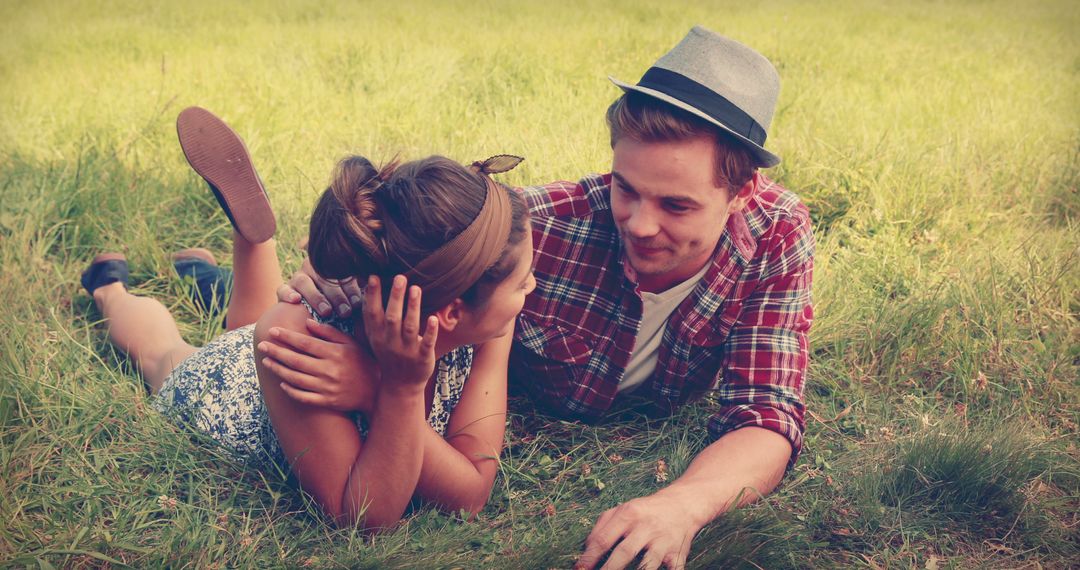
{"x": 676, "y": 208}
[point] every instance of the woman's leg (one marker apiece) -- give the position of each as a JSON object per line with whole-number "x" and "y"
{"x": 143, "y": 328}
{"x": 219, "y": 155}
{"x": 256, "y": 278}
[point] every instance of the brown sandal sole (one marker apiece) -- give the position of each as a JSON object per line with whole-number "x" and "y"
{"x": 218, "y": 154}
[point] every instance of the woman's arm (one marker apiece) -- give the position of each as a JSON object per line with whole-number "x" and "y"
{"x": 323, "y": 367}
{"x": 329, "y": 372}
{"x": 459, "y": 471}
{"x": 353, "y": 481}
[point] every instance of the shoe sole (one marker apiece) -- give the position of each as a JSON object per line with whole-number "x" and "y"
{"x": 108, "y": 256}
{"x": 218, "y": 154}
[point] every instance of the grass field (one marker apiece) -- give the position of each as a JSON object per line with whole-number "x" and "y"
{"x": 936, "y": 143}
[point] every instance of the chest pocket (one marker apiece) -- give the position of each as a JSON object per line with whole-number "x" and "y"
{"x": 553, "y": 341}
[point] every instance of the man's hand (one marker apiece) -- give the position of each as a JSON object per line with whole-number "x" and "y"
{"x": 324, "y": 296}
{"x": 739, "y": 468}
{"x": 327, "y": 368}
{"x": 660, "y": 527}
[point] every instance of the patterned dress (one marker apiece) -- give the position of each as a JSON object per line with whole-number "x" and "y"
{"x": 216, "y": 390}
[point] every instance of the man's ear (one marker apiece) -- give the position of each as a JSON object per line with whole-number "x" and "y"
{"x": 450, "y": 315}
{"x": 742, "y": 197}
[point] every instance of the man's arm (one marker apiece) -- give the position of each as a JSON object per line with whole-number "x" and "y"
{"x": 740, "y": 467}
{"x": 758, "y": 425}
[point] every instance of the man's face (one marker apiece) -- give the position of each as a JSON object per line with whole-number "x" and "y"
{"x": 669, "y": 211}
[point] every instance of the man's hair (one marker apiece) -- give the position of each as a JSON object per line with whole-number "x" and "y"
{"x": 642, "y": 118}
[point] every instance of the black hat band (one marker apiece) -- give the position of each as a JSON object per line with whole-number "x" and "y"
{"x": 703, "y": 99}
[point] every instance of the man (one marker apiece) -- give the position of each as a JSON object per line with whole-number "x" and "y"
{"x": 683, "y": 271}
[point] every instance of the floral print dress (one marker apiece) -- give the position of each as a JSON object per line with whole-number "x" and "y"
{"x": 216, "y": 390}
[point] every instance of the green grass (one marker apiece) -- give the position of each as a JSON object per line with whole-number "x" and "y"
{"x": 936, "y": 144}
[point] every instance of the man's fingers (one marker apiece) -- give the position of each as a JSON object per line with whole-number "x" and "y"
{"x": 649, "y": 563}
{"x": 678, "y": 560}
{"x": 306, "y": 287}
{"x": 327, "y": 332}
{"x": 410, "y": 324}
{"x": 286, "y": 294}
{"x": 604, "y": 518}
{"x": 600, "y": 541}
{"x": 332, "y": 293}
{"x": 623, "y": 554}
{"x": 352, "y": 291}
{"x": 303, "y": 396}
{"x": 654, "y": 558}
{"x": 589, "y": 558}
{"x": 335, "y": 294}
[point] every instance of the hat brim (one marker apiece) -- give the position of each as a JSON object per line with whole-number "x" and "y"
{"x": 765, "y": 158}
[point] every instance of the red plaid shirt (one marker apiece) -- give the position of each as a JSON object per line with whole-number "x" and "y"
{"x": 742, "y": 331}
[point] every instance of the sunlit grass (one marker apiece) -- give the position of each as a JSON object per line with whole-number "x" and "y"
{"x": 936, "y": 144}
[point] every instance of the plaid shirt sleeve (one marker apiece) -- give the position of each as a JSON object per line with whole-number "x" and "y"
{"x": 763, "y": 361}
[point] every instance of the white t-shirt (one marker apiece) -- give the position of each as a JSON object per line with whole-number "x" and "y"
{"x": 656, "y": 309}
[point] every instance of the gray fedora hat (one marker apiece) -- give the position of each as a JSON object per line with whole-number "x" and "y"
{"x": 721, "y": 81}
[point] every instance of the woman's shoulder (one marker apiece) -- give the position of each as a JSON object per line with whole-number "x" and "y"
{"x": 284, "y": 315}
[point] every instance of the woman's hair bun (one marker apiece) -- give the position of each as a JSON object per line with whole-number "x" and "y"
{"x": 346, "y": 234}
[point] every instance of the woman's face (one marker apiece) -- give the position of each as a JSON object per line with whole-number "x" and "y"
{"x": 497, "y": 316}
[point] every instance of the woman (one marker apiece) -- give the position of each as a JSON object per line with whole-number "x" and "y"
{"x": 451, "y": 252}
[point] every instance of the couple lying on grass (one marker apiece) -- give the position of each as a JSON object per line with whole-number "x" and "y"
{"x": 447, "y": 248}
{"x": 684, "y": 271}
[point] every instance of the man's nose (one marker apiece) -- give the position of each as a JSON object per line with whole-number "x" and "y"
{"x": 642, "y": 222}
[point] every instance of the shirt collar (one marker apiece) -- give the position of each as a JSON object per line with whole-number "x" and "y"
{"x": 740, "y": 235}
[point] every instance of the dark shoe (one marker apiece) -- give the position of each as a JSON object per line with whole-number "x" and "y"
{"x": 104, "y": 269}
{"x": 218, "y": 154}
{"x": 212, "y": 284}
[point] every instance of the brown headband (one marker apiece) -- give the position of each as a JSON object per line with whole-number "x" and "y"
{"x": 450, "y": 270}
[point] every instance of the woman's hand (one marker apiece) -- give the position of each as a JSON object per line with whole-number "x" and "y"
{"x": 327, "y": 368}
{"x": 406, "y": 358}
{"x": 326, "y": 297}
